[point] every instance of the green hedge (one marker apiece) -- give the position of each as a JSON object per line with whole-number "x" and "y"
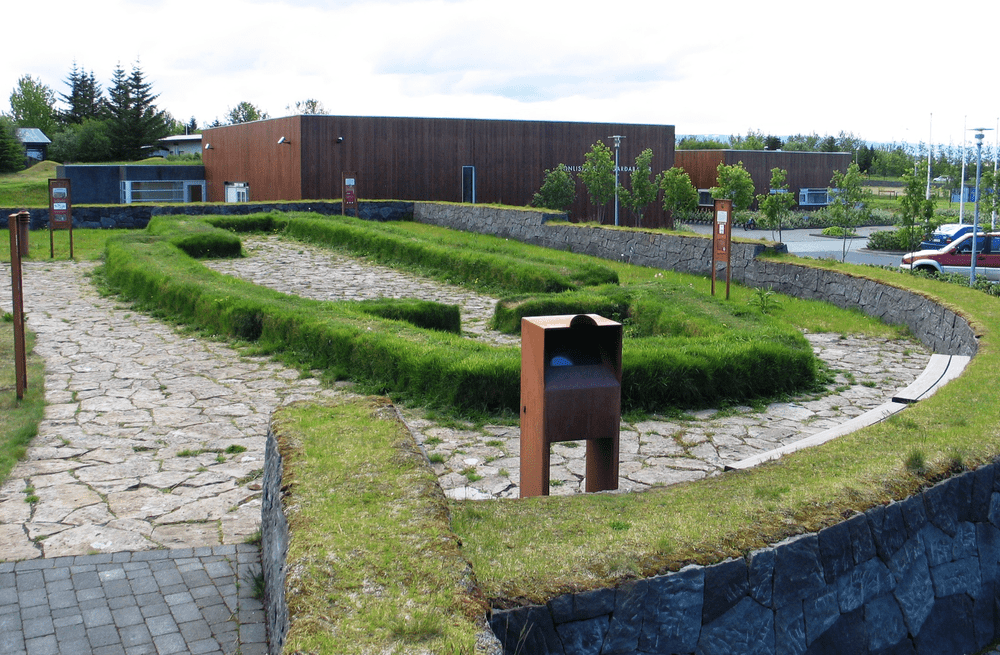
{"x": 449, "y": 260}
{"x": 368, "y": 342}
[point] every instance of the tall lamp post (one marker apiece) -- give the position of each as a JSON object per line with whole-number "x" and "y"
{"x": 618, "y": 142}
{"x": 975, "y": 221}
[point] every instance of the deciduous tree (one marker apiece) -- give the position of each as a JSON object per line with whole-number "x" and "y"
{"x": 644, "y": 188}
{"x": 32, "y": 104}
{"x": 245, "y": 112}
{"x": 775, "y": 204}
{"x": 558, "y": 190}
{"x": 847, "y": 202}
{"x": 734, "y": 182}
{"x": 679, "y": 193}
{"x": 598, "y": 175}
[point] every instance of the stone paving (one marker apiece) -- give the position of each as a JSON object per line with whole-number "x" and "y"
{"x": 484, "y": 463}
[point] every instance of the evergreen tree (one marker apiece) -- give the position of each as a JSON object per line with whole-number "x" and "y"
{"x": 85, "y": 99}
{"x": 11, "y": 151}
{"x": 135, "y": 122}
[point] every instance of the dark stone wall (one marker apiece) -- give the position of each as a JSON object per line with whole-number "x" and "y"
{"x": 918, "y": 577}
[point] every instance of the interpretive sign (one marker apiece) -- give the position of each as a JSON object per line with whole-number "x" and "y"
{"x": 60, "y": 212}
{"x": 350, "y": 194}
{"x": 721, "y": 239}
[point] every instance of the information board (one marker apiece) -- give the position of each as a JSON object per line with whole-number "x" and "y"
{"x": 60, "y": 212}
{"x": 721, "y": 238}
{"x": 350, "y": 194}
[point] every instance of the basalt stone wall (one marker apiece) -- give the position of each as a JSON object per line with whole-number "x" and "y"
{"x": 274, "y": 547}
{"x": 137, "y": 216}
{"x": 917, "y": 577}
{"x": 938, "y": 327}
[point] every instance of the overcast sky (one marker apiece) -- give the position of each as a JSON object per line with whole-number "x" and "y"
{"x": 876, "y": 68}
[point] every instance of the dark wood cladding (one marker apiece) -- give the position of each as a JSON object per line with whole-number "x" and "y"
{"x": 419, "y": 158}
{"x": 805, "y": 169}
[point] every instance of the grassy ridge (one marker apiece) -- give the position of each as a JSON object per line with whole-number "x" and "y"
{"x": 452, "y": 258}
{"x": 357, "y": 582}
{"x": 429, "y": 367}
{"x": 541, "y": 547}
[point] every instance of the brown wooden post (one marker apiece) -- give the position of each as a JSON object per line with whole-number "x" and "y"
{"x": 14, "y": 222}
{"x": 722, "y": 230}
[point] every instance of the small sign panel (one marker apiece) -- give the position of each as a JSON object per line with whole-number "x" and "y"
{"x": 721, "y": 239}
{"x": 350, "y": 194}
{"x": 60, "y": 212}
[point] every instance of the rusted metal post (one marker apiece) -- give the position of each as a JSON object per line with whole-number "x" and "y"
{"x": 571, "y": 373}
{"x": 14, "y": 222}
{"x": 24, "y": 225}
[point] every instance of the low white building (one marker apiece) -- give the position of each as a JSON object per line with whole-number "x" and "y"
{"x": 179, "y": 144}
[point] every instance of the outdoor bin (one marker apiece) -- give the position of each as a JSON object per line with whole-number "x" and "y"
{"x": 571, "y": 373}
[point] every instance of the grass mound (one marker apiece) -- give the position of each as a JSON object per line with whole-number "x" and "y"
{"x": 397, "y": 347}
{"x": 373, "y": 565}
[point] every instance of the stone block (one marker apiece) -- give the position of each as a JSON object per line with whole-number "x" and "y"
{"x": 884, "y": 623}
{"x": 914, "y": 514}
{"x": 964, "y": 544}
{"x": 623, "y": 631}
{"x": 583, "y": 637}
{"x": 526, "y": 630}
{"x": 988, "y": 540}
{"x": 672, "y": 620}
{"x": 797, "y": 570}
{"x": 761, "y": 576}
{"x": 912, "y": 549}
{"x": 949, "y": 628}
{"x": 915, "y": 593}
{"x": 790, "y": 630}
{"x": 960, "y": 576}
{"x": 836, "y": 551}
{"x": 948, "y": 502}
{"x": 888, "y": 529}
{"x": 861, "y": 538}
{"x": 845, "y": 637}
{"x": 864, "y": 583}
{"x": 726, "y": 584}
{"x": 937, "y": 545}
{"x": 821, "y": 611}
{"x": 747, "y": 629}
{"x": 983, "y": 481}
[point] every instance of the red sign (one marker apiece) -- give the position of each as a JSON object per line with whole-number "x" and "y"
{"x": 350, "y": 194}
{"x": 60, "y": 212}
{"x": 721, "y": 238}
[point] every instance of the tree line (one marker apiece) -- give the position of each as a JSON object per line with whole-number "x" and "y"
{"x": 88, "y": 123}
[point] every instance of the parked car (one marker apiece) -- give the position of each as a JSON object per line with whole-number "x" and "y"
{"x": 956, "y": 257}
{"x": 945, "y": 235}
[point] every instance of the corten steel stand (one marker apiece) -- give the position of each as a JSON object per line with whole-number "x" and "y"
{"x": 571, "y": 373}
{"x": 14, "y": 222}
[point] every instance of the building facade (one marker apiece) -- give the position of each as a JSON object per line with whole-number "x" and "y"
{"x": 435, "y": 159}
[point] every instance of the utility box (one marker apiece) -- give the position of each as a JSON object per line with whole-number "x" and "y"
{"x": 571, "y": 374}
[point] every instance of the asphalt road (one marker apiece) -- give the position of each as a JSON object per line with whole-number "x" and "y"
{"x": 810, "y": 243}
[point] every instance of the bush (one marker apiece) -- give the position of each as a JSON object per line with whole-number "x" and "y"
{"x": 558, "y": 191}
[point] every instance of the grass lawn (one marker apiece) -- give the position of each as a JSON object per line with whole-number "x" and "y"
{"x": 18, "y": 420}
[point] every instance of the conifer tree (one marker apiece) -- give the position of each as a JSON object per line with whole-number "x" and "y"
{"x": 136, "y": 123}
{"x": 85, "y": 99}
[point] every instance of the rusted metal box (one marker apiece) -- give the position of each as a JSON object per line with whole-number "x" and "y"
{"x": 571, "y": 373}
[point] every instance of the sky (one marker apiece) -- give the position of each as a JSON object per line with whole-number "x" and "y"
{"x": 884, "y": 71}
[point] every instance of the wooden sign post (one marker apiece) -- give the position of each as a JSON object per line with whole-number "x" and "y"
{"x": 20, "y": 350}
{"x": 722, "y": 230}
{"x": 60, "y": 212}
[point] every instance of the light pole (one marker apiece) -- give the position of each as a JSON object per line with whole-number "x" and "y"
{"x": 618, "y": 142}
{"x": 975, "y": 221}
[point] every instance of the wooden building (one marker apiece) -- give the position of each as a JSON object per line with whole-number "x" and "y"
{"x": 439, "y": 159}
{"x": 809, "y": 173}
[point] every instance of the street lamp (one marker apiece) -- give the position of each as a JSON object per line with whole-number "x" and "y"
{"x": 618, "y": 142}
{"x": 975, "y": 221}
